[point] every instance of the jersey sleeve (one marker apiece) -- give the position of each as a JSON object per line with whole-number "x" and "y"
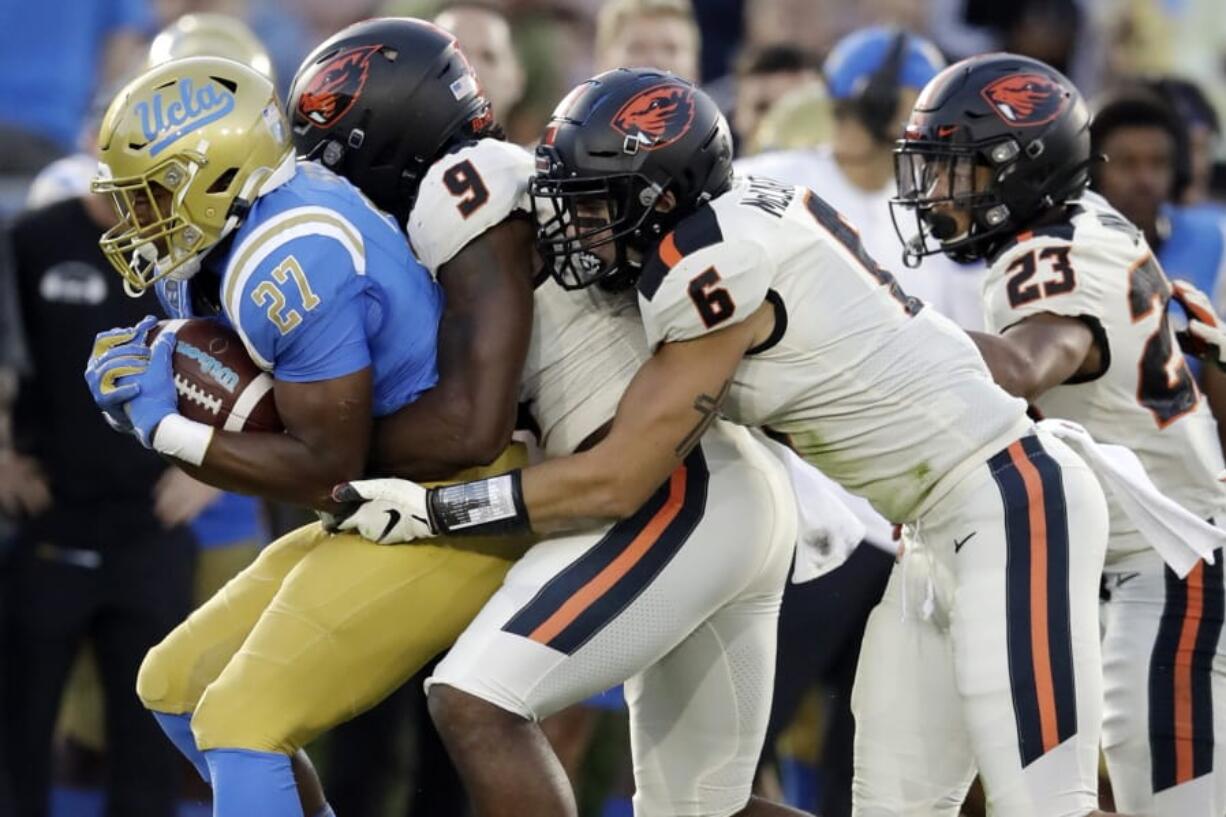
{"x": 1050, "y": 273}
{"x": 299, "y": 307}
{"x": 464, "y": 194}
{"x": 696, "y": 283}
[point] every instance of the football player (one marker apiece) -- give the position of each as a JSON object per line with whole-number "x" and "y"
{"x": 252, "y": 669}
{"x": 994, "y": 164}
{"x": 325, "y": 294}
{"x": 760, "y": 302}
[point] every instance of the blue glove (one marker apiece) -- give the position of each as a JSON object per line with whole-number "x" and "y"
{"x": 117, "y": 353}
{"x": 155, "y": 397}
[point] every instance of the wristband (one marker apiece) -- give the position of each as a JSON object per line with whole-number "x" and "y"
{"x": 492, "y": 506}
{"x": 181, "y": 438}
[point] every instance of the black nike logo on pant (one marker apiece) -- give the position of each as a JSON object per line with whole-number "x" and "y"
{"x": 958, "y": 545}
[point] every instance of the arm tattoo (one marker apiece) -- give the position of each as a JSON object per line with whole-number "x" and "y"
{"x": 708, "y": 407}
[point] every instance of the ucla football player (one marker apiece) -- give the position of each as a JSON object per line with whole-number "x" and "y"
{"x": 326, "y": 296}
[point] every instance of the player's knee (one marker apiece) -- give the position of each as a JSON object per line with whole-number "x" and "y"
{"x": 159, "y": 683}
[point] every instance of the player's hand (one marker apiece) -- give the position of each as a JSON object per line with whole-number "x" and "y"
{"x": 117, "y": 353}
{"x": 386, "y": 511}
{"x": 1205, "y": 336}
{"x": 178, "y": 498}
{"x": 23, "y": 486}
{"x": 155, "y": 396}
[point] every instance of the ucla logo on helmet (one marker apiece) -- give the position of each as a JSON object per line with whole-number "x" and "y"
{"x": 169, "y": 116}
{"x": 657, "y": 116}
{"x": 1027, "y": 99}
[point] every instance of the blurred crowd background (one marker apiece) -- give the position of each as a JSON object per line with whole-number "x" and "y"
{"x": 103, "y": 548}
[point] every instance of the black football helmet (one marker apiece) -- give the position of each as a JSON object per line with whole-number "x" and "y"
{"x": 1003, "y": 136}
{"x": 379, "y": 101}
{"x": 621, "y": 141}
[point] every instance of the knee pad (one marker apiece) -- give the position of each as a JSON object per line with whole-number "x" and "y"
{"x": 161, "y": 683}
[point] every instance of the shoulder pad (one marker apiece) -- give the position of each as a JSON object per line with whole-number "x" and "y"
{"x": 277, "y": 279}
{"x": 696, "y": 282}
{"x": 464, "y": 194}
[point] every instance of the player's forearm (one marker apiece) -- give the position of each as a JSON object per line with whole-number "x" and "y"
{"x": 587, "y": 486}
{"x": 279, "y": 467}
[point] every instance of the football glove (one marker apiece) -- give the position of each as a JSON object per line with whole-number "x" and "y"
{"x": 151, "y": 386}
{"x": 1205, "y": 336}
{"x": 385, "y": 511}
{"x": 117, "y": 353}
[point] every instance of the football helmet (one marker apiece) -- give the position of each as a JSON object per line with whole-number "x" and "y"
{"x": 184, "y": 149}
{"x": 1001, "y": 136}
{"x": 210, "y": 35}
{"x": 379, "y": 101}
{"x": 615, "y": 146}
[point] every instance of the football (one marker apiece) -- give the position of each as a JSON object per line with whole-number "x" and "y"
{"x": 217, "y": 381}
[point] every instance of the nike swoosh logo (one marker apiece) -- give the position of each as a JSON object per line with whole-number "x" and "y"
{"x": 393, "y": 519}
{"x": 946, "y": 130}
{"x": 958, "y": 545}
{"x": 1124, "y": 578}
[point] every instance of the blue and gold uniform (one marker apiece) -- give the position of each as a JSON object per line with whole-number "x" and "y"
{"x": 318, "y": 285}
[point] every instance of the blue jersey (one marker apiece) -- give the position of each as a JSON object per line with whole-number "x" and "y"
{"x": 319, "y": 284}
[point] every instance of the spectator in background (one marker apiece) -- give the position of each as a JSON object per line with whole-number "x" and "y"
{"x": 873, "y": 77}
{"x": 485, "y": 37}
{"x": 648, "y": 33}
{"x": 93, "y": 559}
{"x": 762, "y": 78}
{"x": 800, "y": 119}
{"x": 54, "y": 54}
{"x": 1204, "y": 131}
{"x": 812, "y": 26}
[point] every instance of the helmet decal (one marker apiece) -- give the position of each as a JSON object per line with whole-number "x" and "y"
{"x": 163, "y": 123}
{"x": 657, "y": 116}
{"x": 1026, "y": 99}
{"x": 336, "y": 86}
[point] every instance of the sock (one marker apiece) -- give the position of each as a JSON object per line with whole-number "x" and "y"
{"x": 179, "y": 729}
{"x": 247, "y": 783}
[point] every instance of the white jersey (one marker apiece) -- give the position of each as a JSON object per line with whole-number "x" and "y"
{"x": 888, "y": 398}
{"x": 586, "y": 345}
{"x": 1096, "y": 266}
{"x": 952, "y": 289}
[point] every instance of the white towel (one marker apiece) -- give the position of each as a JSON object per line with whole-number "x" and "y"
{"x": 826, "y": 529}
{"x": 1181, "y": 537}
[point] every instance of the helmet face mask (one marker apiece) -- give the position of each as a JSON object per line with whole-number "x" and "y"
{"x": 946, "y": 191}
{"x": 592, "y": 230}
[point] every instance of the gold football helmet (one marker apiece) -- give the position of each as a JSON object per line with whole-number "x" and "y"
{"x": 184, "y": 150}
{"x": 801, "y": 118}
{"x": 210, "y": 35}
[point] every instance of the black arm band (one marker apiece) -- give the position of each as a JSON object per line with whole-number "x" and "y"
{"x": 486, "y": 507}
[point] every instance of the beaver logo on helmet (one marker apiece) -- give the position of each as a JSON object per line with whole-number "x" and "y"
{"x": 657, "y": 116}
{"x": 337, "y": 84}
{"x": 1026, "y": 100}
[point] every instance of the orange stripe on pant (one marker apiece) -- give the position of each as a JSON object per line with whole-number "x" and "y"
{"x": 1040, "y": 646}
{"x": 1184, "y": 732}
{"x": 588, "y": 594}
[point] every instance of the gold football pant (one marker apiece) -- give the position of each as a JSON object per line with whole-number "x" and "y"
{"x": 317, "y": 630}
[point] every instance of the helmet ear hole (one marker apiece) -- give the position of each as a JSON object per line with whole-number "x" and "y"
{"x": 222, "y": 183}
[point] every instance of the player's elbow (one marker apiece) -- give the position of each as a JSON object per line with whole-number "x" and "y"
{"x": 479, "y": 433}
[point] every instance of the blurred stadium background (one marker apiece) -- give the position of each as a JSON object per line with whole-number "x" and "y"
{"x": 764, "y": 60}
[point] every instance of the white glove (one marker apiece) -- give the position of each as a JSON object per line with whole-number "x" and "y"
{"x": 391, "y": 511}
{"x": 1205, "y": 336}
